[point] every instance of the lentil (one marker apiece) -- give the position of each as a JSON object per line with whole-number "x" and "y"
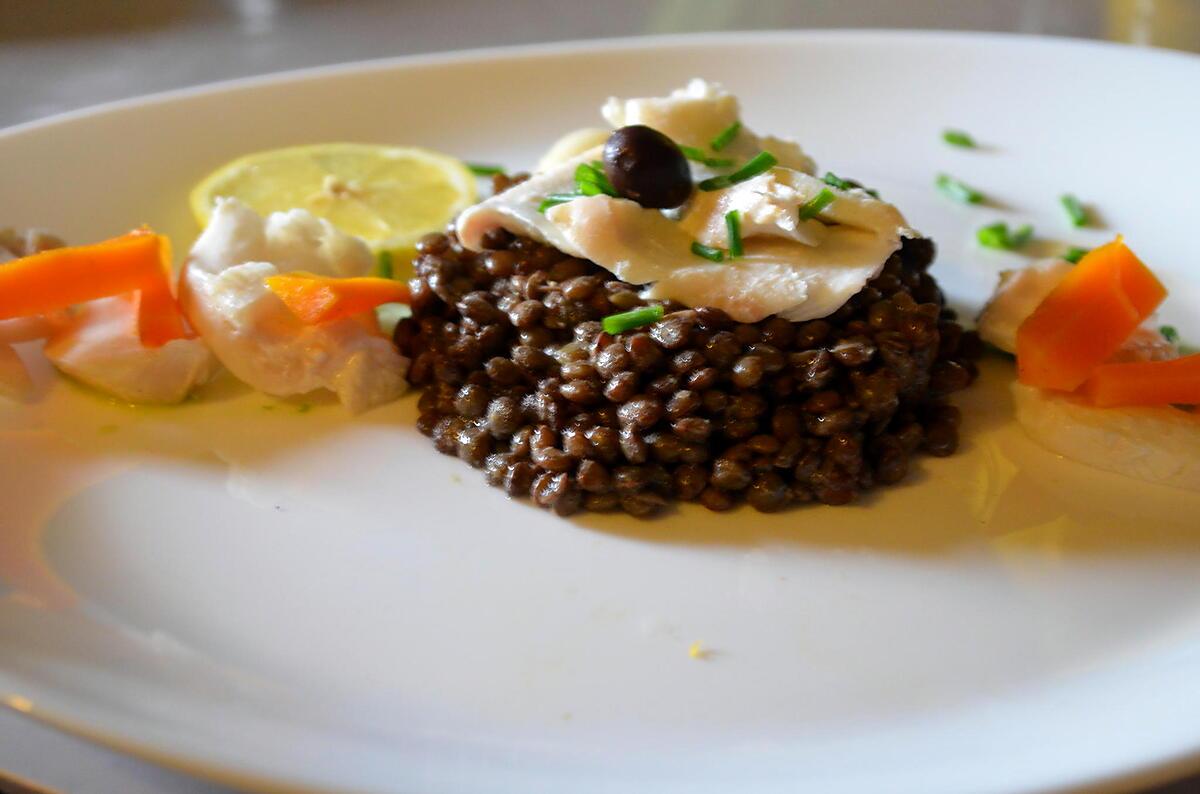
{"x": 521, "y": 381}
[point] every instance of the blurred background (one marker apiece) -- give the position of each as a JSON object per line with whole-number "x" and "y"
{"x": 74, "y": 53}
{"x": 59, "y": 55}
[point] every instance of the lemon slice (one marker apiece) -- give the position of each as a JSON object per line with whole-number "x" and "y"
{"x": 387, "y": 195}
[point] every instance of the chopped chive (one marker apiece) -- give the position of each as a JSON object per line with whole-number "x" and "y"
{"x": 958, "y": 138}
{"x": 998, "y": 235}
{"x": 304, "y": 408}
{"x": 711, "y": 254}
{"x": 813, "y": 207}
{"x": 1170, "y": 334}
{"x": 591, "y": 181}
{"x": 753, "y": 167}
{"x": 636, "y": 318}
{"x": 386, "y": 269}
{"x": 959, "y": 191}
{"x": 1074, "y": 254}
{"x": 698, "y": 156}
{"x": 733, "y": 225}
{"x": 993, "y": 236}
{"x": 483, "y": 169}
{"x": 592, "y": 189}
{"x": 1075, "y": 210}
{"x": 833, "y": 180}
{"x": 554, "y": 199}
{"x": 1021, "y": 236}
{"x": 725, "y": 136}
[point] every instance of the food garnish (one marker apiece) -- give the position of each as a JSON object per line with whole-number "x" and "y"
{"x": 320, "y": 299}
{"x": 753, "y": 167}
{"x": 482, "y": 169}
{"x": 833, "y": 180}
{"x": 813, "y": 207}
{"x": 61, "y": 277}
{"x": 388, "y": 196}
{"x": 708, "y": 252}
{"x": 1169, "y": 333}
{"x": 635, "y": 318}
{"x": 645, "y": 166}
{"x": 958, "y": 138}
{"x": 590, "y": 180}
{"x": 725, "y": 136}
{"x": 385, "y": 265}
{"x": 698, "y": 156}
{"x": 958, "y": 190}
{"x": 998, "y": 235}
{"x": 733, "y": 227}
{"x": 1075, "y": 210}
{"x": 1074, "y": 254}
{"x": 1086, "y": 318}
{"x": 1172, "y": 382}
{"x": 554, "y": 199}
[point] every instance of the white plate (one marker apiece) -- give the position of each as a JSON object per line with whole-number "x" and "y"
{"x": 283, "y": 597}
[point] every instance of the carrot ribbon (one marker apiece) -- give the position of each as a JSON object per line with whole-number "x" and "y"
{"x": 1086, "y": 318}
{"x": 138, "y": 262}
{"x": 319, "y": 299}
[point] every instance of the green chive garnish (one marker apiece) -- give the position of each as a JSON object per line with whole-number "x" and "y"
{"x": 591, "y": 181}
{"x": 386, "y": 269}
{"x": 554, "y": 199}
{"x": 958, "y": 138}
{"x": 994, "y": 236}
{"x": 1074, "y": 254}
{"x": 1170, "y": 334}
{"x": 833, "y": 180}
{"x": 711, "y": 254}
{"x": 813, "y": 207}
{"x": 1021, "y": 236}
{"x": 753, "y": 167}
{"x": 999, "y": 236}
{"x": 483, "y": 169}
{"x": 636, "y": 318}
{"x": 698, "y": 156}
{"x": 1075, "y": 210}
{"x": 733, "y": 225}
{"x": 725, "y": 136}
{"x": 959, "y": 191}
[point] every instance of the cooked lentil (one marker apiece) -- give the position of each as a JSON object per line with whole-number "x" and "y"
{"x": 521, "y": 381}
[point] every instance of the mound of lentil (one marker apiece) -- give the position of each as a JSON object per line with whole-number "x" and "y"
{"x": 521, "y": 381}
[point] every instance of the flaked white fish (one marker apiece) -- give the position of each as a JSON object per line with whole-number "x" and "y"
{"x": 251, "y": 331}
{"x": 98, "y": 344}
{"x": 798, "y": 268}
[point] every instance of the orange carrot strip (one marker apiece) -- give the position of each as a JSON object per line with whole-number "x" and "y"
{"x": 1176, "y": 381}
{"x": 61, "y": 277}
{"x": 1086, "y": 317}
{"x": 159, "y": 317}
{"x": 320, "y": 299}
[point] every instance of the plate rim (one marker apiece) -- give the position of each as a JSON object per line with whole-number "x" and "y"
{"x": 1166, "y": 767}
{"x": 574, "y": 46}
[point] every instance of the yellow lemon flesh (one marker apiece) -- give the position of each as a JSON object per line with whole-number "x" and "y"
{"x": 388, "y": 195}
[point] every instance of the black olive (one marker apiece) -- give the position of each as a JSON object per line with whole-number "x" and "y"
{"x": 646, "y": 166}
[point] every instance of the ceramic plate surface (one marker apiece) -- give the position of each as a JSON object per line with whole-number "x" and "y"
{"x": 290, "y": 597}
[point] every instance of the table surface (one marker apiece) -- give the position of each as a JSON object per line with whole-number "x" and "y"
{"x": 74, "y": 53}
